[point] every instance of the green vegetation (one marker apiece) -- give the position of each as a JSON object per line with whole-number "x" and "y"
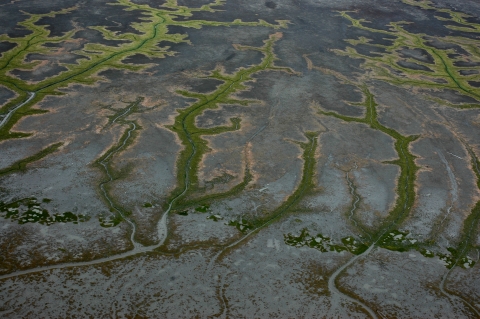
{"x": 29, "y": 210}
{"x": 187, "y": 202}
{"x": 94, "y": 57}
{"x": 215, "y": 218}
{"x": 104, "y": 163}
{"x": 356, "y": 199}
{"x": 420, "y": 60}
{"x": 21, "y": 165}
{"x": 387, "y": 235}
{"x": 406, "y": 161}
{"x": 242, "y": 225}
{"x": 249, "y": 227}
{"x": 223, "y": 179}
{"x": 203, "y": 208}
{"x": 195, "y": 146}
{"x": 459, "y": 19}
{"x": 325, "y": 243}
{"x": 470, "y": 225}
{"x": 433, "y": 63}
{"x": 307, "y": 183}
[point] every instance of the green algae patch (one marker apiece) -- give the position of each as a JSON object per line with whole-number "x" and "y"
{"x": 319, "y": 242}
{"x": 30, "y": 210}
{"x": 427, "y": 253}
{"x": 353, "y": 245}
{"x": 402, "y": 241}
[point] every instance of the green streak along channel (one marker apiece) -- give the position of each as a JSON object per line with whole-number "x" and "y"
{"x": 191, "y": 136}
{"x": 95, "y": 56}
{"x": 406, "y": 162}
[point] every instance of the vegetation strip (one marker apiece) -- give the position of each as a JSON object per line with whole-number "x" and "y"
{"x": 251, "y": 228}
{"x": 471, "y": 223}
{"x": 354, "y": 206}
{"x": 234, "y": 82}
{"x": 444, "y": 72}
{"x": 405, "y": 183}
{"x": 21, "y": 165}
{"x": 195, "y": 146}
{"x": 381, "y": 68}
{"x": 94, "y": 57}
{"x": 105, "y": 164}
{"x": 405, "y": 188}
{"x": 467, "y": 241}
{"x": 306, "y": 183}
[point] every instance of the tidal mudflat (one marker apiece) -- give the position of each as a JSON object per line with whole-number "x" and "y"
{"x": 239, "y": 159}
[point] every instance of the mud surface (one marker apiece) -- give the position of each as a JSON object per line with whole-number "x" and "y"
{"x": 239, "y": 159}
